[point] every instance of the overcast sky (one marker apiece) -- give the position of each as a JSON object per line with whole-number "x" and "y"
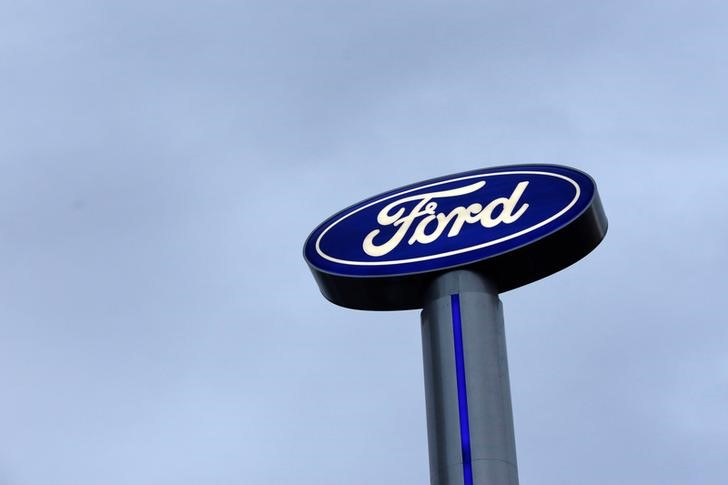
{"x": 161, "y": 164}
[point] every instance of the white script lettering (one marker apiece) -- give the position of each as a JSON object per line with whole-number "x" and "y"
{"x": 432, "y": 224}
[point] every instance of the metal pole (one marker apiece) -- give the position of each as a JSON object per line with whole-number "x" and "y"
{"x": 467, "y": 391}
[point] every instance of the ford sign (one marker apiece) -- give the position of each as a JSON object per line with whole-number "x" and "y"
{"x": 512, "y": 224}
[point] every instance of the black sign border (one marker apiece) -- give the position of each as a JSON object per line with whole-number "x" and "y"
{"x": 506, "y": 271}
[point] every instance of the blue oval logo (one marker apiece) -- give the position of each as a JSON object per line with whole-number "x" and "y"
{"x": 449, "y": 222}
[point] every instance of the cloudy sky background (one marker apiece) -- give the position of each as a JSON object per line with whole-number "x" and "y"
{"x": 161, "y": 164}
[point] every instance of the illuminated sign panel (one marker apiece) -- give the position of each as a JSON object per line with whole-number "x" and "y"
{"x": 513, "y": 224}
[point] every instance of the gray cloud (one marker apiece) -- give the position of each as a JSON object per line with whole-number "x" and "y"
{"x": 163, "y": 162}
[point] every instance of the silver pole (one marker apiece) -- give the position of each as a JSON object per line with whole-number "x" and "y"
{"x": 467, "y": 391}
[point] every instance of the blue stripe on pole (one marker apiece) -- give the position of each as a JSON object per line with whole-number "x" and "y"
{"x": 457, "y": 331}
